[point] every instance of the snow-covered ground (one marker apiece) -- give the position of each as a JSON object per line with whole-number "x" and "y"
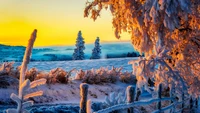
{"x": 68, "y": 93}
{"x": 65, "y": 93}
{"x": 82, "y": 64}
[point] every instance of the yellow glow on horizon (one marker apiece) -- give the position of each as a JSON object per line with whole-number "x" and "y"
{"x": 57, "y": 21}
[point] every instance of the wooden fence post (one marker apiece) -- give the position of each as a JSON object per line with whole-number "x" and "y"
{"x": 183, "y": 102}
{"x": 159, "y": 105}
{"x": 83, "y": 93}
{"x": 130, "y": 90}
{"x": 191, "y": 104}
{"x": 88, "y": 107}
{"x": 138, "y": 93}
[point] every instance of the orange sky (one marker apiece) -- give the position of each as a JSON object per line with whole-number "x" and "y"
{"x": 57, "y": 21}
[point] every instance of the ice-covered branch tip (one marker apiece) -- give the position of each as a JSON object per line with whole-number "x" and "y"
{"x": 38, "y": 93}
{"x": 37, "y": 83}
{"x": 27, "y": 56}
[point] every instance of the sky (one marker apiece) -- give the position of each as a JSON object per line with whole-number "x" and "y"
{"x": 57, "y": 22}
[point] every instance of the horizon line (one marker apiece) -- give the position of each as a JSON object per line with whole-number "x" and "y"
{"x": 104, "y": 42}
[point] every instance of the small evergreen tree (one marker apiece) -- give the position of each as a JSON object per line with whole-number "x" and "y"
{"x": 78, "y": 51}
{"x": 96, "y": 52}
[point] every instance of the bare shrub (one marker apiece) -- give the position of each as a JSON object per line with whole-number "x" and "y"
{"x": 41, "y": 75}
{"x": 104, "y": 75}
{"x": 127, "y": 78}
{"x": 31, "y": 74}
{"x": 80, "y": 74}
{"x": 57, "y": 75}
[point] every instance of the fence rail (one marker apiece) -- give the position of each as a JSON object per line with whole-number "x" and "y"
{"x": 131, "y": 103}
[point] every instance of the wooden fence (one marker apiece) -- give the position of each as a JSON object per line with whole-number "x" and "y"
{"x": 131, "y": 103}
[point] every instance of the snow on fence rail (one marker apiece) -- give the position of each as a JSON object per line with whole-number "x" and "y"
{"x": 131, "y": 92}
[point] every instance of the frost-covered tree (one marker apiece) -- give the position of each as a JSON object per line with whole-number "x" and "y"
{"x": 26, "y": 85}
{"x": 96, "y": 52}
{"x": 78, "y": 51}
{"x": 174, "y": 25}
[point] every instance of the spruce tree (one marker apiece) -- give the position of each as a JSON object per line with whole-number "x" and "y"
{"x": 96, "y": 52}
{"x": 78, "y": 51}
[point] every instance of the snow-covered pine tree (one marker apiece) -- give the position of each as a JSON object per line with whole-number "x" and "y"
{"x": 173, "y": 23}
{"x": 96, "y": 52}
{"x": 78, "y": 51}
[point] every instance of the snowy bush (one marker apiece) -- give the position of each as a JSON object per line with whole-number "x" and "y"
{"x": 104, "y": 75}
{"x": 111, "y": 100}
{"x": 44, "y": 75}
{"x": 8, "y": 69}
{"x": 94, "y": 76}
{"x": 79, "y": 75}
{"x": 127, "y": 78}
{"x": 78, "y": 51}
{"x": 96, "y": 52}
{"x": 8, "y": 75}
{"x": 57, "y": 75}
{"x": 115, "y": 99}
{"x": 158, "y": 70}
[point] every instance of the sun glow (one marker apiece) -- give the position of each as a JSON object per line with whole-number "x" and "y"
{"x": 58, "y": 22}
